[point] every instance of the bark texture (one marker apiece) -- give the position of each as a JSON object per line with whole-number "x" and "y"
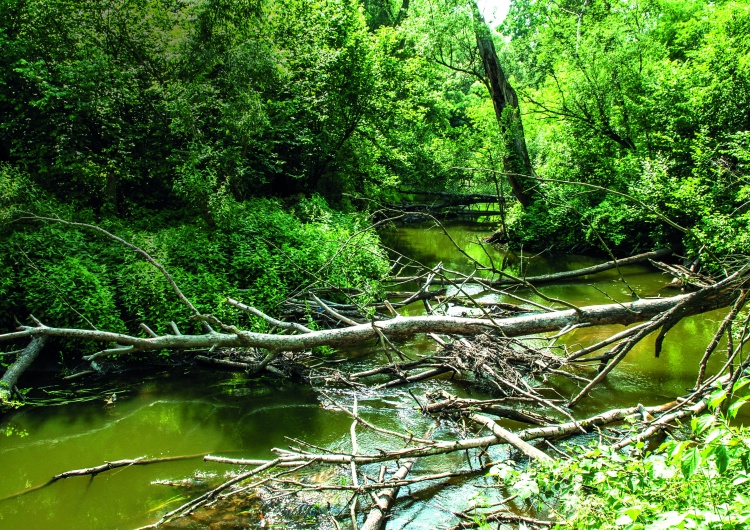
{"x": 24, "y": 360}
{"x": 516, "y": 163}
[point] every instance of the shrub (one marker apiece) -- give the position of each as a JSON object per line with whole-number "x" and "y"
{"x": 702, "y": 482}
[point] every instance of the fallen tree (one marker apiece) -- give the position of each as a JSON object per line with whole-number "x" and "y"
{"x": 383, "y": 492}
{"x": 25, "y": 358}
{"x": 489, "y": 346}
{"x": 661, "y": 312}
{"x": 302, "y": 338}
{"x": 396, "y": 328}
{"x": 449, "y": 204}
{"x": 506, "y": 279}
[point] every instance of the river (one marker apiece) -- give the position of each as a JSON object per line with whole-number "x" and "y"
{"x": 192, "y": 411}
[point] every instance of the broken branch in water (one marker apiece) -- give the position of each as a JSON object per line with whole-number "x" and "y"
{"x": 25, "y": 358}
{"x": 107, "y": 466}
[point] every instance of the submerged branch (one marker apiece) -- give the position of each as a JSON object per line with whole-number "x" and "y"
{"x": 107, "y": 466}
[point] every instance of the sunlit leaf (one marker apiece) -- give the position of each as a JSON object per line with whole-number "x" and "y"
{"x": 716, "y": 398}
{"x": 722, "y": 458}
{"x": 713, "y": 435}
{"x": 678, "y": 449}
{"x": 690, "y": 461}
{"x": 702, "y": 423}
{"x": 735, "y": 407}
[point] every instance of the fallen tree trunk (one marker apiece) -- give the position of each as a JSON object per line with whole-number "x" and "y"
{"x": 24, "y": 360}
{"x": 558, "y": 276}
{"x": 395, "y": 328}
{"x": 438, "y": 447}
{"x": 510, "y": 438}
{"x": 453, "y": 199}
{"x": 683, "y": 277}
{"x": 577, "y": 273}
{"x": 455, "y": 404}
{"x": 449, "y": 204}
{"x": 384, "y": 501}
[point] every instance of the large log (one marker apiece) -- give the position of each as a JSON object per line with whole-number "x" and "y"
{"x": 23, "y": 361}
{"x": 395, "y": 328}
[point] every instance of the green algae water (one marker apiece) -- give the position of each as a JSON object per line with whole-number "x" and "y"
{"x": 641, "y": 377}
{"x": 200, "y": 412}
{"x": 193, "y": 414}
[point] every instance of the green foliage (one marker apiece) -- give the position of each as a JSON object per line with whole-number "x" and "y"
{"x": 646, "y": 97}
{"x": 117, "y": 104}
{"x": 701, "y": 482}
{"x": 259, "y": 253}
{"x": 123, "y": 107}
{"x": 164, "y": 122}
{"x": 133, "y": 109}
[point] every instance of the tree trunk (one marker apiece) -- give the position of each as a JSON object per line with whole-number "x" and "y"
{"x": 516, "y": 161}
{"x": 396, "y": 328}
{"x": 24, "y": 360}
{"x": 384, "y": 501}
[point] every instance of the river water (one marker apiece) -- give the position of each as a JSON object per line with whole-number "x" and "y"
{"x": 191, "y": 412}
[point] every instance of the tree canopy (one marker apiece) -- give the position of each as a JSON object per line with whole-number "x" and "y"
{"x": 161, "y": 115}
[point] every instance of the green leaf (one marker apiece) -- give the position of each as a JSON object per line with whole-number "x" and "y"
{"x": 740, "y": 384}
{"x": 722, "y": 459}
{"x": 690, "y": 461}
{"x": 526, "y": 488}
{"x": 677, "y": 450}
{"x": 702, "y": 423}
{"x": 735, "y": 407}
{"x": 716, "y": 398}
{"x": 631, "y": 513}
{"x": 714, "y": 434}
{"x": 671, "y": 519}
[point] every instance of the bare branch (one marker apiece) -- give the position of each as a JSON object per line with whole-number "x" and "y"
{"x": 131, "y": 246}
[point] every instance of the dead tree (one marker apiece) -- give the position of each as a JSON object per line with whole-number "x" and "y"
{"x": 25, "y": 357}
{"x": 516, "y": 162}
{"x": 488, "y": 344}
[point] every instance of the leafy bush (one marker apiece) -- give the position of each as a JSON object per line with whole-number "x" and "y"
{"x": 702, "y": 482}
{"x": 258, "y": 253}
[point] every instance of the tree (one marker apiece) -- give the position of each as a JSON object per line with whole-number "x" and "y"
{"x": 516, "y": 163}
{"x": 633, "y": 96}
{"x": 81, "y": 108}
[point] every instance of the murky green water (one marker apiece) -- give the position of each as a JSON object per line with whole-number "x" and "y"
{"x": 203, "y": 412}
{"x": 640, "y": 377}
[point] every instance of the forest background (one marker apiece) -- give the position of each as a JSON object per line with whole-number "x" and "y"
{"x": 240, "y": 142}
